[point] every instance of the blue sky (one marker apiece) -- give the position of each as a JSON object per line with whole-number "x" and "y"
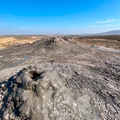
{"x": 58, "y": 16}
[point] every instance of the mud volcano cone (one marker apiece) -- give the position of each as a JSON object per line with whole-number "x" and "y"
{"x": 39, "y": 95}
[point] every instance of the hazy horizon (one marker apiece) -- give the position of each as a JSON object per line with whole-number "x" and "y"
{"x": 58, "y": 17}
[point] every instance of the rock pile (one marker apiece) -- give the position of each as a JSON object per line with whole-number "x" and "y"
{"x": 33, "y": 94}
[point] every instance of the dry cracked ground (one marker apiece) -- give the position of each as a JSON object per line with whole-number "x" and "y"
{"x": 60, "y": 78}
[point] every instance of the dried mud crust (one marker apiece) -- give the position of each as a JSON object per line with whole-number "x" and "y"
{"x": 90, "y": 74}
{"x": 49, "y": 48}
{"x": 41, "y": 95}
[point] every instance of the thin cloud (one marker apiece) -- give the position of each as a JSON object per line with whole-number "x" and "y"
{"x": 108, "y": 21}
{"x": 30, "y": 28}
{"x": 93, "y": 26}
{"x": 105, "y": 25}
{"x": 7, "y": 23}
{"x": 24, "y": 28}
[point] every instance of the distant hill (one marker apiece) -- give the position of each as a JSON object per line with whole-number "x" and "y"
{"x": 113, "y": 32}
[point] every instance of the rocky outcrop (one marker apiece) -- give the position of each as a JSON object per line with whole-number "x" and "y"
{"x": 33, "y": 94}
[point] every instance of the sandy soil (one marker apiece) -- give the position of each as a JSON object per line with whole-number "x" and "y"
{"x": 9, "y": 41}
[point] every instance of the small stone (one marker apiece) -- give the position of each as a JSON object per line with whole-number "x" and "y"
{"x": 6, "y": 116}
{"x": 12, "y": 116}
{"x": 3, "y": 85}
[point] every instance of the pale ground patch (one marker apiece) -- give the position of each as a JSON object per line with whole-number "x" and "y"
{"x": 8, "y": 41}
